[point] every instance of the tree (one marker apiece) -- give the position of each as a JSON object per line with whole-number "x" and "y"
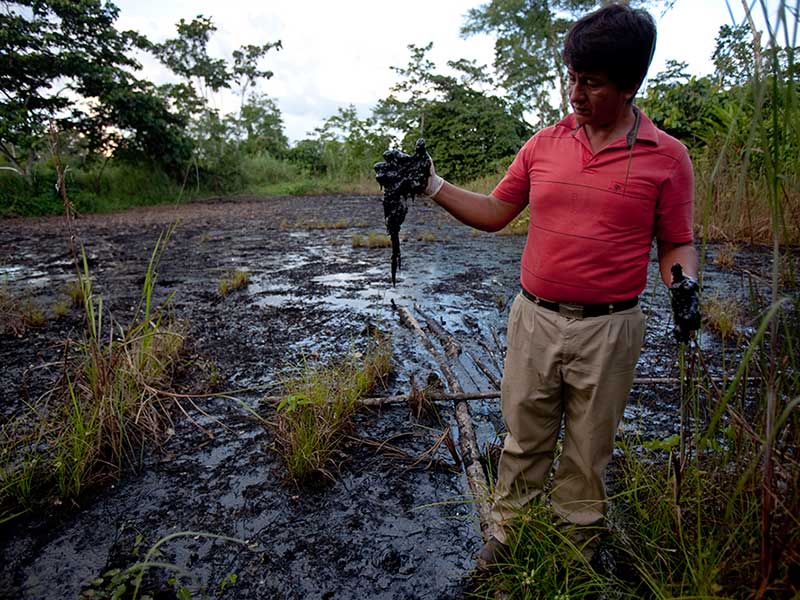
{"x": 259, "y": 127}
{"x": 530, "y": 35}
{"x": 349, "y": 145}
{"x": 468, "y": 129}
{"x": 188, "y": 57}
{"x": 680, "y": 103}
{"x": 404, "y": 108}
{"x": 59, "y": 59}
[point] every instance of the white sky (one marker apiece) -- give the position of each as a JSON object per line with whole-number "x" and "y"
{"x": 338, "y": 52}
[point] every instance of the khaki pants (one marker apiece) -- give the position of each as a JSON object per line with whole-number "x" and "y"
{"x": 557, "y": 367}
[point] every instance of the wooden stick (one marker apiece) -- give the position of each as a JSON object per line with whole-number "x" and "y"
{"x": 470, "y": 454}
{"x": 378, "y": 401}
{"x": 485, "y": 370}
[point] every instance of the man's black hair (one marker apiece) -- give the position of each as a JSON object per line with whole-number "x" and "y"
{"x": 616, "y": 40}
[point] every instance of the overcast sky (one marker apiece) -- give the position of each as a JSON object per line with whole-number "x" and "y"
{"x": 338, "y": 52}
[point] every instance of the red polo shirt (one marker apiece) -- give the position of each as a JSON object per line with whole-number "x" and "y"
{"x": 594, "y": 216}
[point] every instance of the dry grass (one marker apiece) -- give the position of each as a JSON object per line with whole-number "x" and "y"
{"x": 722, "y": 315}
{"x": 323, "y": 225}
{"x": 519, "y": 226}
{"x": 233, "y": 280}
{"x": 312, "y": 420}
{"x": 726, "y": 255}
{"x": 426, "y": 236}
{"x": 74, "y": 291}
{"x": 108, "y": 405}
{"x": 371, "y": 240}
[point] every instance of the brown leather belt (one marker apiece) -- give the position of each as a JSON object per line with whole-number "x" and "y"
{"x": 582, "y": 311}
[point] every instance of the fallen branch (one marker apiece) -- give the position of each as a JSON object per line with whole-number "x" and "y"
{"x": 470, "y": 455}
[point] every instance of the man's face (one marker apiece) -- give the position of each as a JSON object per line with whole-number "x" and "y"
{"x": 596, "y": 100}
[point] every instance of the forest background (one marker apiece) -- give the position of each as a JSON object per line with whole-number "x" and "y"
{"x": 70, "y": 86}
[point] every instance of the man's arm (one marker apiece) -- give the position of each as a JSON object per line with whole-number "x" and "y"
{"x": 670, "y": 253}
{"x": 481, "y": 211}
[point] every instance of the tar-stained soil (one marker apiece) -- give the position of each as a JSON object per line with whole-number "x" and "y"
{"x": 383, "y": 529}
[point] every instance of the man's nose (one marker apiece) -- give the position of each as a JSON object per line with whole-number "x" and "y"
{"x": 576, "y": 92}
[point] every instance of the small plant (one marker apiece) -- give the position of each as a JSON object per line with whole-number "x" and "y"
{"x": 426, "y": 236}
{"x": 75, "y": 293}
{"x": 322, "y": 225}
{"x": 726, "y": 255}
{"x": 545, "y": 560}
{"x": 233, "y": 280}
{"x": 130, "y": 584}
{"x": 32, "y": 315}
{"x": 371, "y": 240}
{"x": 311, "y": 421}
{"x": 722, "y": 315}
{"x": 60, "y": 309}
{"x": 107, "y": 406}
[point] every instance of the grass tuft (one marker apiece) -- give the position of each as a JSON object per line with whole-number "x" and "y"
{"x": 723, "y": 315}
{"x": 233, "y": 280}
{"x": 371, "y": 240}
{"x": 312, "y": 420}
{"x": 108, "y": 405}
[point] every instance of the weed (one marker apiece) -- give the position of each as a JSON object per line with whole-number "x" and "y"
{"x": 60, "y": 309}
{"x": 75, "y": 293}
{"x": 130, "y": 583}
{"x": 426, "y": 236}
{"x": 371, "y": 240}
{"x": 232, "y": 280}
{"x": 32, "y": 315}
{"x": 545, "y": 560}
{"x": 311, "y": 421}
{"x": 788, "y": 271}
{"x": 722, "y": 315}
{"x": 10, "y": 314}
{"x": 726, "y": 255}
{"x": 107, "y": 406}
{"x": 322, "y": 225}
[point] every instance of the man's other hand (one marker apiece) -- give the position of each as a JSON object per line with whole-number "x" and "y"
{"x": 684, "y": 296}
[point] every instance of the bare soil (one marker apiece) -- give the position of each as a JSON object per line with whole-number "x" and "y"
{"x": 384, "y": 528}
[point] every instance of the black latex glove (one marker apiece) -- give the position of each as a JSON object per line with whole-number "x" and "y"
{"x": 684, "y": 296}
{"x": 404, "y": 175}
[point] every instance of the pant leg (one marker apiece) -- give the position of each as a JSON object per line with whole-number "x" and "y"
{"x": 599, "y": 366}
{"x": 531, "y": 407}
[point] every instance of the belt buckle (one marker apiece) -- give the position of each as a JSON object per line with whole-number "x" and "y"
{"x": 570, "y": 311}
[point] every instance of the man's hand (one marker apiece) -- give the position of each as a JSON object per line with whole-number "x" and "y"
{"x": 685, "y": 304}
{"x": 434, "y": 184}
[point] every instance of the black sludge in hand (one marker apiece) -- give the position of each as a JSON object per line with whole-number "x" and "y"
{"x": 402, "y": 176}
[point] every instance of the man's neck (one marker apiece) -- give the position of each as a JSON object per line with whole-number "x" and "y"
{"x": 602, "y": 135}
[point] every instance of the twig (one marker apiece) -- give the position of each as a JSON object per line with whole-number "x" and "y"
{"x": 485, "y": 370}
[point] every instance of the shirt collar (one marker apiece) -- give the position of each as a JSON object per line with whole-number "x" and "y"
{"x": 643, "y": 129}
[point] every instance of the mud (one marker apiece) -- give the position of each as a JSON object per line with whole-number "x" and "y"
{"x": 383, "y": 529}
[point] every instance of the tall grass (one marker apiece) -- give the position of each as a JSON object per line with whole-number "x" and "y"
{"x": 720, "y": 519}
{"x": 106, "y": 408}
{"x": 320, "y": 400}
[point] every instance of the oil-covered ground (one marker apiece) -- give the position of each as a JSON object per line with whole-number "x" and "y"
{"x": 386, "y": 528}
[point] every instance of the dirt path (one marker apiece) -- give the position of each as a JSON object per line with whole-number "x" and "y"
{"x": 382, "y": 530}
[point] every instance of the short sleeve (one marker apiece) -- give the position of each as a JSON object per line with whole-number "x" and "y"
{"x": 516, "y": 184}
{"x": 675, "y": 209}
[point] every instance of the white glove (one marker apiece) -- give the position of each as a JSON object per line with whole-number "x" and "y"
{"x": 434, "y": 184}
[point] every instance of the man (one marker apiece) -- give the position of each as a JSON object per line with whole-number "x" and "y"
{"x": 601, "y": 184}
